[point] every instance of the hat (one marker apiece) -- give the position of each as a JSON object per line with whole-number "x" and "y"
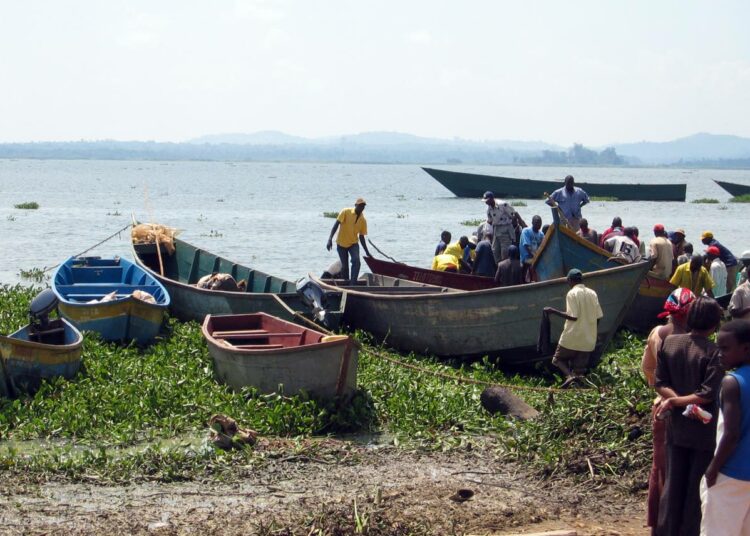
{"x": 713, "y": 250}
{"x": 707, "y": 234}
{"x": 677, "y": 302}
{"x": 473, "y": 239}
{"x": 680, "y": 231}
{"x": 488, "y": 195}
{"x": 658, "y": 228}
{"x": 360, "y": 201}
{"x": 575, "y": 273}
{"x": 745, "y": 255}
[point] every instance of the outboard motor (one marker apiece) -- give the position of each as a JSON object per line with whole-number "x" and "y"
{"x": 325, "y": 305}
{"x": 41, "y": 328}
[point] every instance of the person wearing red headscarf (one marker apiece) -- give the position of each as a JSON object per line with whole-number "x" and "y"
{"x": 675, "y": 309}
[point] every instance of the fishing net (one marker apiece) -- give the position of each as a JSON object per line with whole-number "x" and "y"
{"x": 150, "y": 233}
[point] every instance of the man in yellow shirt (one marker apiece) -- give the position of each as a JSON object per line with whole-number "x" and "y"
{"x": 457, "y": 249}
{"x": 445, "y": 262}
{"x": 578, "y": 339}
{"x": 693, "y": 275}
{"x": 351, "y": 225}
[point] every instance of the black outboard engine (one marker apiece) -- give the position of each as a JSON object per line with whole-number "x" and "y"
{"x": 41, "y": 328}
{"x": 324, "y": 305}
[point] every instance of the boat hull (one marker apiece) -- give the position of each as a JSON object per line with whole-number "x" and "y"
{"x": 734, "y": 188}
{"x": 474, "y": 185}
{"x": 430, "y": 277}
{"x": 80, "y": 283}
{"x": 26, "y": 364}
{"x": 181, "y": 270}
{"x": 501, "y": 322}
{"x": 323, "y": 369}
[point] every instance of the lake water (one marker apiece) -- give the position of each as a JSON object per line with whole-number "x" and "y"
{"x": 270, "y": 215}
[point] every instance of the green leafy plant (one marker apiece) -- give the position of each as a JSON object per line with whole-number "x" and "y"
{"x": 745, "y": 198}
{"x": 603, "y": 198}
{"x": 706, "y": 200}
{"x": 517, "y": 204}
{"x": 330, "y": 214}
{"x": 473, "y": 223}
{"x": 29, "y": 205}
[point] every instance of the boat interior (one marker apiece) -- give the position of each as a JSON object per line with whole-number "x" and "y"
{"x": 383, "y": 284}
{"x": 258, "y": 331}
{"x": 92, "y": 278}
{"x": 188, "y": 264}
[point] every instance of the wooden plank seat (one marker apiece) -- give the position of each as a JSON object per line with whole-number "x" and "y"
{"x": 92, "y": 296}
{"x": 258, "y": 346}
{"x": 251, "y": 336}
{"x": 222, "y": 334}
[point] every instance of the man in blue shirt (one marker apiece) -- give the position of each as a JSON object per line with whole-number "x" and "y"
{"x": 445, "y": 239}
{"x": 570, "y": 199}
{"x": 484, "y": 263}
{"x": 531, "y": 239}
{"x": 729, "y": 260}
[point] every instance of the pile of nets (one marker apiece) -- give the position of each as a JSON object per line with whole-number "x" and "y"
{"x": 150, "y": 233}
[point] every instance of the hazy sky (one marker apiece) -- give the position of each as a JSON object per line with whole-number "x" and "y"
{"x": 559, "y": 71}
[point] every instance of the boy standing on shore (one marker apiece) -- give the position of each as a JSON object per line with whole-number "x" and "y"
{"x": 725, "y": 490}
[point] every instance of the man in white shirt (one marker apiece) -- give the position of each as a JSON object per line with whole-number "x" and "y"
{"x": 717, "y": 269}
{"x": 578, "y": 339}
{"x": 624, "y": 247}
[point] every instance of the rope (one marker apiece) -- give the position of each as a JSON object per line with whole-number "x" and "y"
{"x": 110, "y": 237}
{"x": 383, "y": 254}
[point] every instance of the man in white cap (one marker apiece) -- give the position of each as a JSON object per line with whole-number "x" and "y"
{"x": 351, "y": 225}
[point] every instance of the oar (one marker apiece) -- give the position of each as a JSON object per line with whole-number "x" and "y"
{"x": 383, "y": 254}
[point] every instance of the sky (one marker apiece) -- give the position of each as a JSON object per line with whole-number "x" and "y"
{"x": 592, "y": 72}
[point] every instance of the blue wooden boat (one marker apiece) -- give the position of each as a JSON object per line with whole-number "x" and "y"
{"x": 42, "y": 350}
{"x": 97, "y": 294}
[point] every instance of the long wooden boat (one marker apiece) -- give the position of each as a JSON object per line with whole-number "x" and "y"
{"x": 105, "y": 296}
{"x": 502, "y": 322}
{"x": 561, "y": 250}
{"x": 180, "y": 271}
{"x": 272, "y": 355}
{"x": 28, "y": 358}
{"x": 733, "y": 188}
{"x": 474, "y": 185}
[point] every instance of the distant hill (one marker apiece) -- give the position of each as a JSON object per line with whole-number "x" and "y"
{"x": 264, "y": 137}
{"x": 693, "y": 148}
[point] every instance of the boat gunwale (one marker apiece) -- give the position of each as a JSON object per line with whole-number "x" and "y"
{"x": 46, "y": 346}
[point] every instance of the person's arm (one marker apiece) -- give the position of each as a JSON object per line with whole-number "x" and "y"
{"x": 708, "y": 283}
{"x": 335, "y": 227}
{"x": 732, "y": 413}
{"x": 585, "y": 200}
{"x": 519, "y": 219}
{"x": 499, "y": 276}
{"x": 569, "y": 313}
{"x": 558, "y": 312}
{"x": 363, "y": 241}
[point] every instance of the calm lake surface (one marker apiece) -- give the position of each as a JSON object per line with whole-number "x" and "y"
{"x": 270, "y": 215}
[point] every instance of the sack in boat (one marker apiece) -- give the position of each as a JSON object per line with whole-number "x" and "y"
{"x": 225, "y": 434}
{"x": 219, "y": 281}
{"x": 150, "y": 233}
{"x": 112, "y": 296}
{"x": 143, "y": 296}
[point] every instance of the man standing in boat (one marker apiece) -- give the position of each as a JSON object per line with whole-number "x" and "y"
{"x": 502, "y": 217}
{"x": 351, "y": 225}
{"x": 570, "y": 199}
{"x": 578, "y": 339}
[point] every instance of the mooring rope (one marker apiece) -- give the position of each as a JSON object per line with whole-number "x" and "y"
{"x": 383, "y": 254}
{"x": 110, "y": 237}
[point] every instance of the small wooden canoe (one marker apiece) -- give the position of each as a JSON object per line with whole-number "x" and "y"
{"x": 474, "y": 185}
{"x": 273, "y": 355}
{"x": 28, "y": 358}
{"x": 99, "y": 295}
{"x": 734, "y": 188}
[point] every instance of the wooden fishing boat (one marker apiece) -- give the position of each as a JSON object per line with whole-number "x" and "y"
{"x": 474, "y": 185}
{"x": 272, "y": 355}
{"x": 180, "y": 270}
{"x": 111, "y": 297}
{"x": 42, "y": 350}
{"x": 502, "y": 322}
{"x": 561, "y": 250}
{"x": 733, "y": 188}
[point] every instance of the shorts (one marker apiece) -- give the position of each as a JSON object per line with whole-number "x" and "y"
{"x": 575, "y": 359}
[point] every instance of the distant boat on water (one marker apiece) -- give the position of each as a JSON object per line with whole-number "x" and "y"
{"x": 733, "y": 188}
{"x": 474, "y": 185}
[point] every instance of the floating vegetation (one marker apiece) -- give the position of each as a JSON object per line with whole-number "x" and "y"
{"x": 603, "y": 198}
{"x": 473, "y": 223}
{"x": 201, "y": 218}
{"x": 744, "y": 198}
{"x": 115, "y": 213}
{"x": 706, "y": 200}
{"x": 219, "y": 200}
{"x": 401, "y": 216}
{"x": 11, "y": 217}
{"x": 37, "y": 275}
{"x": 29, "y": 205}
{"x": 723, "y": 207}
{"x": 518, "y": 203}
{"x": 329, "y": 214}
{"x": 400, "y": 197}
{"x": 213, "y": 233}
